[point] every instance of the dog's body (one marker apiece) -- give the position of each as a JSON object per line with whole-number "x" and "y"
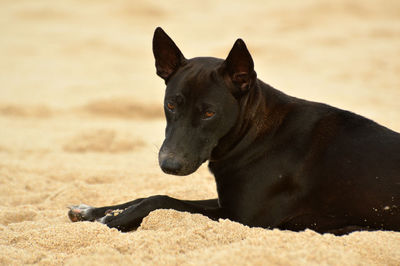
{"x": 278, "y": 161}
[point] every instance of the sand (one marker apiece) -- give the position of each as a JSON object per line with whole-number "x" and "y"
{"x": 81, "y": 122}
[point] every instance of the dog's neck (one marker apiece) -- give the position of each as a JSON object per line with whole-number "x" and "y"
{"x": 262, "y": 110}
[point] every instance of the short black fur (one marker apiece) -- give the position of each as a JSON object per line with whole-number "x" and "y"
{"x": 278, "y": 161}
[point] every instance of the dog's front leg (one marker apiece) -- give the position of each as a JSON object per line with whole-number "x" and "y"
{"x": 131, "y": 218}
{"x": 85, "y": 212}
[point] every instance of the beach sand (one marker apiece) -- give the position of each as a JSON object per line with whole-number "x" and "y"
{"x": 81, "y": 122}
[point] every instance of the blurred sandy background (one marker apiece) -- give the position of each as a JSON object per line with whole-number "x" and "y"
{"x": 81, "y": 121}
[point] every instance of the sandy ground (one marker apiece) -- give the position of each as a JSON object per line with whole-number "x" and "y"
{"x": 81, "y": 121}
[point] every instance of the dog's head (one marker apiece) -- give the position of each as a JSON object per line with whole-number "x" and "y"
{"x": 201, "y": 101}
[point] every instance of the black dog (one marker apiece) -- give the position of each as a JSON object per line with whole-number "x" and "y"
{"x": 278, "y": 161}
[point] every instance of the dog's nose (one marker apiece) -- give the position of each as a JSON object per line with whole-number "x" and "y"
{"x": 171, "y": 165}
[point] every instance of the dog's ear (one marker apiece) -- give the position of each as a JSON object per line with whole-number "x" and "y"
{"x": 239, "y": 67}
{"x": 167, "y": 55}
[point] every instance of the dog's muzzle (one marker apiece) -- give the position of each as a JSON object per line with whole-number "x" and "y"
{"x": 171, "y": 163}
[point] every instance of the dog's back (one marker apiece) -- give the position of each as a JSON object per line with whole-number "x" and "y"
{"x": 357, "y": 170}
{"x": 315, "y": 165}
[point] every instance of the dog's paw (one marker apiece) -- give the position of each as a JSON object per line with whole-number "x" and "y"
{"x": 81, "y": 212}
{"x": 119, "y": 219}
{"x": 109, "y": 215}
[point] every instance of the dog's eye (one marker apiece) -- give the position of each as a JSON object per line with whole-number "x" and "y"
{"x": 171, "y": 106}
{"x": 208, "y": 114}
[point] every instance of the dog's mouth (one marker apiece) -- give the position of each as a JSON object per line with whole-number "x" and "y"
{"x": 179, "y": 170}
{"x": 182, "y": 162}
{"x": 173, "y": 164}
